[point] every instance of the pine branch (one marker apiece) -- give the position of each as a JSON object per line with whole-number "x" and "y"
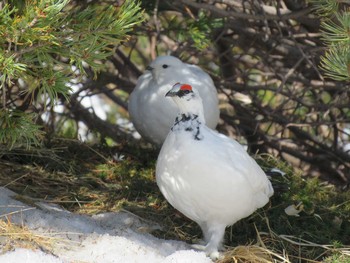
{"x": 336, "y": 62}
{"x": 336, "y": 24}
{"x": 18, "y": 128}
{"x": 46, "y": 43}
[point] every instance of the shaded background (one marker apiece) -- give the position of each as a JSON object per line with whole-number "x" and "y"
{"x": 264, "y": 57}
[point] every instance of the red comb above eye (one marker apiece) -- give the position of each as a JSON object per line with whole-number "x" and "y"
{"x": 186, "y": 87}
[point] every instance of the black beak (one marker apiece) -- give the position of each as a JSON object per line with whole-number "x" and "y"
{"x": 174, "y": 91}
{"x": 171, "y": 94}
{"x": 149, "y": 68}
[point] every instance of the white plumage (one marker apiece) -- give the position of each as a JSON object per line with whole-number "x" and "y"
{"x": 207, "y": 176}
{"x": 152, "y": 113}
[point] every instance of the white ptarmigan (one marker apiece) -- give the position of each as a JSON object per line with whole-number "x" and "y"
{"x": 207, "y": 176}
{"x": 152, "y": 113}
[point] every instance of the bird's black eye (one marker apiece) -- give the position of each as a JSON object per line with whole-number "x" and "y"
{"x": 165, "y": 66}
{"x": 183, "y": 92}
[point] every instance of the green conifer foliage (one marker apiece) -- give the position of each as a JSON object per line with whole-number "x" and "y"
{"x": 336, "y": 35}
{"x": 44, "y": 44}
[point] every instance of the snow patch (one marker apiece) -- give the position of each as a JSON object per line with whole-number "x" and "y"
{"x": 108, "y": 237}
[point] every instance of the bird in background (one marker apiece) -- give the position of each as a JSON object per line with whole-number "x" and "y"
{"x": 207, "y": 176}
{"x": 152, "y": 113}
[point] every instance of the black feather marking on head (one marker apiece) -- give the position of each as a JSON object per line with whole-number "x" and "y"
{"x": 182, "y": 93}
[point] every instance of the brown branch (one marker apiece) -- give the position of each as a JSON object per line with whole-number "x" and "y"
{"x": 230, "y": 14}
{"x": 94, "y": 123}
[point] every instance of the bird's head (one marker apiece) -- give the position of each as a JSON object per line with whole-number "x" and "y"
{"x": 181, "y": 91}
{"x": 187, "y": 99}
{"x": 164, "y": 67}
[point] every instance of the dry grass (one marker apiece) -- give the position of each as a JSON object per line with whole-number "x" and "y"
{"x": 13, "y": 236}
{"x": 260, "y": 253}
{"x": 253, "y": 254}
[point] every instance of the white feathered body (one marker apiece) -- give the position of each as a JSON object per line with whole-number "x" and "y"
{"x": 212, "y": 180}
{"x": 207, "y": 176}
{"x": 153, "y": 114}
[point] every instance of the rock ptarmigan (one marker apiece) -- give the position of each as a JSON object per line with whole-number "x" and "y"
{"x": 207, "y": 176}
{"x": 152, "y": 113}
